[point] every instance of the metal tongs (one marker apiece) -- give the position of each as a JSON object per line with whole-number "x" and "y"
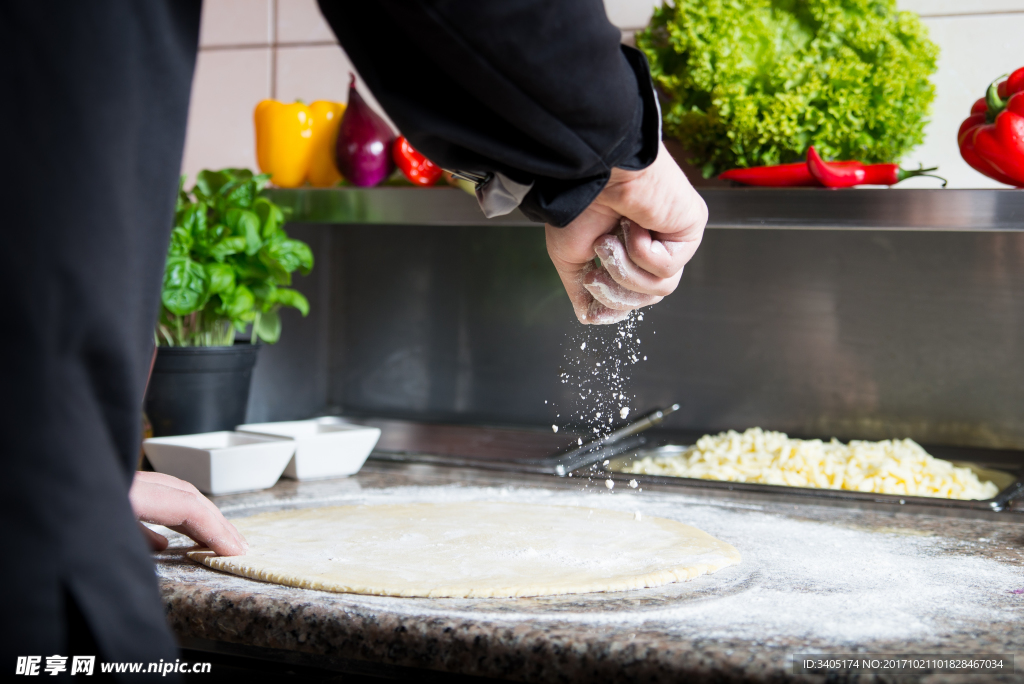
{"x": 609, "y": 445}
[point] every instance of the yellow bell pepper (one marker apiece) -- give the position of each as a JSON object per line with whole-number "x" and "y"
{"x": 284, "y": 141}
{"x": 295, "y": 142}
{"x": 323, "y": 171}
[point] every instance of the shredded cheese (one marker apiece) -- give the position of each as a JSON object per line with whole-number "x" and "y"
{"x": 756, "y": 455}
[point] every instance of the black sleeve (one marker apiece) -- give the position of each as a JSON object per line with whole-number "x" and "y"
{"x": 540, "y": 91}
{"x": 85, "y": 238}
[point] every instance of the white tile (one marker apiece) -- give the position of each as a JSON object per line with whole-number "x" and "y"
{"x": 630, "y": 14}
{"x": 235, "y": 22}
{"x": 227, "y": 86}
{"x": 964, "y": 73}
{"x": 300, "y": 21}
{"x": 934, "y": 7}
{"x": 318, "y": 73}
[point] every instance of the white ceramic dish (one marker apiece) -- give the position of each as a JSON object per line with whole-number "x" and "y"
{"x": 324, "y": 447}
{"x": 221, "y": 462}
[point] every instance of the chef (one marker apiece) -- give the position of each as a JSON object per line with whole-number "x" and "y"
{"x": 536, "y": 101}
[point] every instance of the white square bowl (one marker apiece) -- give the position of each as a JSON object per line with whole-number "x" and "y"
{"x": 221, "y": 462}
{"x": 324, "y": 447}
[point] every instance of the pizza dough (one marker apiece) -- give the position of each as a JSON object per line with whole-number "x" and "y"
{"x": 470, "y": 550}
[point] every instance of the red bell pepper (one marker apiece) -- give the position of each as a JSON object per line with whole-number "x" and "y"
{"x": 417, "y": 168}
{"x": 993, "y": 143}
{"x": 971, "y": 156}
{"x": 1013, "y": 84}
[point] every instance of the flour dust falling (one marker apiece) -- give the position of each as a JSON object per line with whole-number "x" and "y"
{"x": 597, "y": 369}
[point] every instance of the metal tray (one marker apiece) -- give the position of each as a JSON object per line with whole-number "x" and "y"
{"x": 1010, "y": 484}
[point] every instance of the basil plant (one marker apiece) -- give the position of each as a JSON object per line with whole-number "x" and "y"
{"x": 229, "y": 264}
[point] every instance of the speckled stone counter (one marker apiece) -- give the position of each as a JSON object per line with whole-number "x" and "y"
{"x": 814, "y": 579}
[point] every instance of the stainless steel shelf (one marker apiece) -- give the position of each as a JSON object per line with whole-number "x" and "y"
{"x": 791, "y": 209}
{"x": 389, "y": 206}
{"x": 874, "y": 209}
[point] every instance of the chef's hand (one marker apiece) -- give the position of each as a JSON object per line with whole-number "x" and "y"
{"x": 164, "y": 500}
{"x": 645, "y": 225}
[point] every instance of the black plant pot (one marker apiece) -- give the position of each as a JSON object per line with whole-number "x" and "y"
{"x": 199, "y": 389}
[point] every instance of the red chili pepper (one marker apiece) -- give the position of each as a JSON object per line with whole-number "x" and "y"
{"x": 891, "y": 174}
{"x": 417, "y": 168}
{"x": 798, "y": 175}
{"x": 778, "y": 176}
{"x": 993, "y": 144}
{"x": 834, "y": 175}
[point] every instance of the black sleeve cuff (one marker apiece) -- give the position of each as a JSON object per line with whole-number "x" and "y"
{"x": 559, "y": 201}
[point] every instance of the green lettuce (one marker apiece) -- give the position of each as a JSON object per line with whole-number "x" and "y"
{"x": 755, "y": 82}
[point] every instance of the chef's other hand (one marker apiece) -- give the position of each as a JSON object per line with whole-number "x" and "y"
{"x": 164, "y": 500}
{"x": 645, "y": 225}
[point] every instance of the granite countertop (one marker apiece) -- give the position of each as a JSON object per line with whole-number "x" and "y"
{"x": 814, "y": 579}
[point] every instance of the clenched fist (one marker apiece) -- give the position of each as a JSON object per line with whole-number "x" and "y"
{"x": 644, "y": 226}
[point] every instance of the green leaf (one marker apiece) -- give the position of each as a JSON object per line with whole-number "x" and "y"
{"x": 198, "y": 219}
{"x": 221, "y": 278}
{"x": 209, "y": 183}
{"x": 293, "y": 298}
{"x": 227, "y": 247}
{"x": 208, "y": 238}
{"x": 242, "y": 175}
{"x": 277, "y": 272}
{"x": 183, "y": 199}
{"x": 241, "y": 196}
{"x": 181, "y": 242}
{"x": 261, "y": 181}
{"x": 251, "y": 270}
{"x": 265, "y": 294}
{"x": 271, "y": 216}
{"x": 291, "y": 255}
{"x": 268, "y": 327}
{"x": 238, "y": 302}
{"x": 184, "y": 289}
{"x": 241, "y": 190}
{"x": 246, "y": 223}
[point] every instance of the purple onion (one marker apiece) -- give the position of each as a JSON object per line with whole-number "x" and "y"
{"x": 364, "y": 145}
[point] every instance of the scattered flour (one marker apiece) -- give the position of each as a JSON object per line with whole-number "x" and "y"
{"x": 596, "y": 377}
{"x": 798, "y": 578}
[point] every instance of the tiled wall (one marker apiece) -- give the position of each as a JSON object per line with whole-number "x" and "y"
{"x": 250, "y": 50}
{"x": 254, "y": 49}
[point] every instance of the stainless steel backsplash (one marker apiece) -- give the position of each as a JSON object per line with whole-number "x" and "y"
{"x": 852, "y": 334}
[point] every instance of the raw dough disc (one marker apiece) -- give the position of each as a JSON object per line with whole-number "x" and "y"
{"x": 470, "y": 550}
